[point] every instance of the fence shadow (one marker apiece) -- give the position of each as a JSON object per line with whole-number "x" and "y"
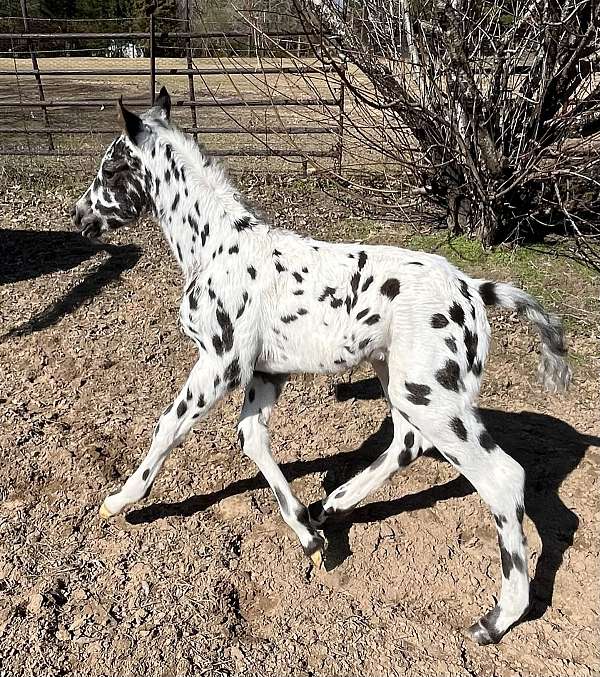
{"x": 549, "y": 449}
{"x": 28, "y": 254}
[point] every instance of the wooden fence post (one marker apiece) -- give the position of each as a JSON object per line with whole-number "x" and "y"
{"x": 190, "y": 65}
{"x": 152, "y": 59}
{"x": 38, "y": 77}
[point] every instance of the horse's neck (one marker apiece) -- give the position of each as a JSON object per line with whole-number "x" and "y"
{"x": 197, "y": 207}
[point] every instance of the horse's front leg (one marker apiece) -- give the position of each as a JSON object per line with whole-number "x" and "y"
{"x": 261, "y": 394}
{"x": 206, "y": 384}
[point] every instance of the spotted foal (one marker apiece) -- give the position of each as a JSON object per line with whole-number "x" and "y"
{"x": 261, "y": 303}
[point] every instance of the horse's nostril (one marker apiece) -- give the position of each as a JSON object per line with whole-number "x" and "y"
{"x": 91, "y": 227}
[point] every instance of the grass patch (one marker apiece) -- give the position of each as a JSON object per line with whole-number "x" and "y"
{"x": 546, "y": 271}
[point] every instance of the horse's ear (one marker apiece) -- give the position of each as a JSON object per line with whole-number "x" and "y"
{"x": 163, "y": 104}
{"x": 131, "y": 123}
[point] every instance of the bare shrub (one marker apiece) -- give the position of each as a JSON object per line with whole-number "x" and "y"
{"x": 491, "y": 109}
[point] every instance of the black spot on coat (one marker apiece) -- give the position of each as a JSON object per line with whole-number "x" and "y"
{"x": 486, "y": 440}
{"x": 372, "y": 319}
{"x": 500, "y": 520}
{"x": 418, "y": 393}
{"x": 367, "y": 283}
{"x": 242, "y": 224}
{"x": 520, "y": 513}
{"x": 181, "y": 408}
{"x": 439, "y": 321}
{"x": 457, "y": 314}
{"x": 194, "y": 225}
{"x": 449, "y": 375}
{"x": 464, "y": 289}
{"x": 328, "y": 291}
{"x": 232, "y": 373}
{"x": 283, "y": 504}
{"x": 458, "y": 428}
{"x": 391, "y": 288}
{"x": 488, "y": 294}
{"x": 404, "y": 457}
{"x": 226, "y": 327}
{"x": 507, "y": 561}
{"x": 217, "y": 344}
{"x": 471, "y": 341}
{"x": 451, "y": 343}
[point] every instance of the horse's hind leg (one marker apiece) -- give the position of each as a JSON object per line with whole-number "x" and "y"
{"x": 451, "y": 423}
{"x": 406, "y": 445}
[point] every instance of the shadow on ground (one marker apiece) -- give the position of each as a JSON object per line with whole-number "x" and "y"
{"x": 28, "y": 254}
{"x": 549, "y": 449}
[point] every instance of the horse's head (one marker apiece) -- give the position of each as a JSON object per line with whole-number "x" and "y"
{"x": 120, "y": 192}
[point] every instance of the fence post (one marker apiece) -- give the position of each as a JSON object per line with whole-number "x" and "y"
{"x": 152, "y": 59}
{"x": 340, "y": 143}
{"x": 190, "y": 65}
{"x": 342, "y": 102}
{"x": 38, "y": 77}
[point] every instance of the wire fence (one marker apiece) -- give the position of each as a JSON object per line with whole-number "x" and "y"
{"x": 247, "y": 92}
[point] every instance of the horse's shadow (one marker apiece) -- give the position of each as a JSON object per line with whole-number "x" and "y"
{"x": 27, "y": 254}
{"x": 549, "y": 449}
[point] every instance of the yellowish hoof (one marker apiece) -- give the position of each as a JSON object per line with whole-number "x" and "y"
{"x": 105, "y": 513}
{"x": 317, "y": 559}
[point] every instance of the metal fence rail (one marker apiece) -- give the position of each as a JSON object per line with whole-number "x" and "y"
{"x": 68, "y": 100}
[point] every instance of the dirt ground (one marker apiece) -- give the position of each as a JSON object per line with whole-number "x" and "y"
{"x": 204, "y": 578}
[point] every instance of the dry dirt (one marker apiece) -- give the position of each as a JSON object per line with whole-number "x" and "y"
{"x": 204, "y": 578}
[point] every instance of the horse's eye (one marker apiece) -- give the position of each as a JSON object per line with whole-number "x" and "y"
{"x": 112, "y": 167}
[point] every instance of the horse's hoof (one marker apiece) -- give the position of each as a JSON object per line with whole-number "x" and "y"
{"x": 104, "y": 512}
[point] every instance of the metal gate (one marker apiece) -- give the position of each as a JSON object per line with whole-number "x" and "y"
{"x": 58, "y": 88}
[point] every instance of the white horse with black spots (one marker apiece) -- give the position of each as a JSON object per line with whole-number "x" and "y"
{"x": 261, "y": 303}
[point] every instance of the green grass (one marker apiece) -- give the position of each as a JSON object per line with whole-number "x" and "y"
{"x": 546, "y": 271}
